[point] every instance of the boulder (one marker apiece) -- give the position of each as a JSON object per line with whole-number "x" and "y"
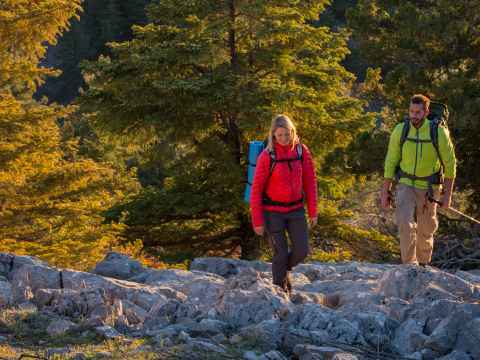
{"x": 60, "y": 327}
{"x": 118, "y": 266}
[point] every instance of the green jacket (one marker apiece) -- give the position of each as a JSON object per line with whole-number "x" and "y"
{"x": 419, "y": 159}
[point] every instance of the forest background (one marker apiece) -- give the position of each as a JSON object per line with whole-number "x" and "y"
{"x": 124, "y": 125}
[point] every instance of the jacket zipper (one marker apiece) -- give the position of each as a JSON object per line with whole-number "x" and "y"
{"x": 291, "y": 179}
{"x": 416, "y": 157}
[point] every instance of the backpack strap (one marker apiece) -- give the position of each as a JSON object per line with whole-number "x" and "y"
{"x": 434, "y": 124}
{"x": 405, "y": 131}
{"x": 299, "y": 152}
{"x": 268, "y": 201}
{"x": 273, "y": 157}
{"x": 403, "y": 138}
{"x": 273, "y": 161}
{"x": 436, "y": 178}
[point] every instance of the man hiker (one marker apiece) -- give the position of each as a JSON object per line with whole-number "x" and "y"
{"x": 416, "y": 162}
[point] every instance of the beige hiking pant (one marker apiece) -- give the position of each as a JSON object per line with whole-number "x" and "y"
{"x": 416, "y": 219}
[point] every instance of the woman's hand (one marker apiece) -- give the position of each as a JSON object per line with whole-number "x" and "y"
{"x": 313, "y": 221}
{"x": 259, "y": 230}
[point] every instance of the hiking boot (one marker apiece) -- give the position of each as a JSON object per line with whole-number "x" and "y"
{"x": 288, "y": 283}
{"x": 429, "y": 266}
{"x": 425, "y": 265}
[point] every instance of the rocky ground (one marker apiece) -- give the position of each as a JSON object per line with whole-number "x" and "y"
{"x": 229, "y": 309}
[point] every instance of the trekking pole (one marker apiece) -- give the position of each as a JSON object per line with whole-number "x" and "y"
{"x": 455, "y": 211}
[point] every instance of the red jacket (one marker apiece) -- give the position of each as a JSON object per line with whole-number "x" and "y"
{"x": 285, "y": 184}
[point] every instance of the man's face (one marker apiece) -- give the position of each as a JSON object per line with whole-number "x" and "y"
{"x": 417, "y": 112}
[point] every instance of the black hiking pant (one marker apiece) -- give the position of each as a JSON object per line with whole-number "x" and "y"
{"x": 277, "y": 225}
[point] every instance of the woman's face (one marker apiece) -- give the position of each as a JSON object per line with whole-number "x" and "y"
{"x": 282, "y": 136}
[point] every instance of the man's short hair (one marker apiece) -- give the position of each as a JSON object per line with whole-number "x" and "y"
{"x": 420, "y": 99}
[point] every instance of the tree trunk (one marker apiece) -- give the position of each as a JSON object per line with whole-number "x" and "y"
{"x": 250, "y": 244}
{"x": 232, "y": 37}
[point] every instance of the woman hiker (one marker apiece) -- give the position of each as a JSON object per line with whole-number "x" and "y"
{"x": 284, "y": 181}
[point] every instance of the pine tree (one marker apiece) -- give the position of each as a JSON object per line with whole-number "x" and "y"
{"x": 205, "y": 77}
{"x": 50, "y": 206}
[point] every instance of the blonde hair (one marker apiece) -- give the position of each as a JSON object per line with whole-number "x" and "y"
{"x": 282, "y": 121}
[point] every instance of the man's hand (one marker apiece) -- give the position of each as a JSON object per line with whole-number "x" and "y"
{"x": 446, "y": 201}
{"x": 313, "y": 221}
{"x": 385, "y": 196}
{"x": 259, "y": 230}
{"x": 447, "y": 195}
{"x": 386, "y": 200}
